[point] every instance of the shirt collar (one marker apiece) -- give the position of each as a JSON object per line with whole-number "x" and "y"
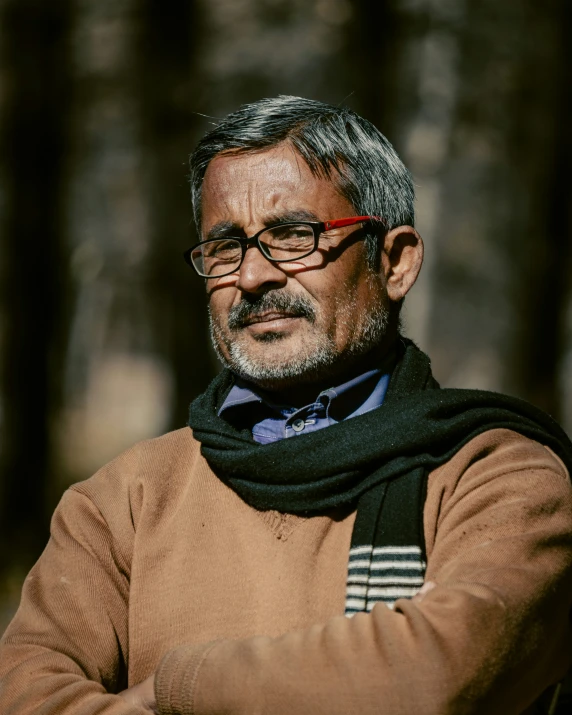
{"x": 350, "y": 399}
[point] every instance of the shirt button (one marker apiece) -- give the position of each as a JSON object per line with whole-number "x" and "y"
{"x": 298, "y": 425}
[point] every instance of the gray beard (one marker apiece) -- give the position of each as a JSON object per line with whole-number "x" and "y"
{"x": 318, "y": 354}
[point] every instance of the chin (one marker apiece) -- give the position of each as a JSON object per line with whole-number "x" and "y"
{"x": 276, "y": 363}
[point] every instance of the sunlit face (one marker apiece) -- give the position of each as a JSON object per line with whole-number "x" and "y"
{"x": 288, "y": 323}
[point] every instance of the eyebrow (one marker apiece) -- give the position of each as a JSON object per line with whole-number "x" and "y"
{"x": 289, "y": 216}
{"x": 223, "y": 228}
{"x": 230, "y": 228}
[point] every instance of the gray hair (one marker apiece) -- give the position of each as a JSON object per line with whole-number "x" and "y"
{"x": 368, "y": 172}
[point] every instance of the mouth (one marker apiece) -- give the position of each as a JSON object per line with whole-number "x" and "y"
{"x": 269, "y": 318}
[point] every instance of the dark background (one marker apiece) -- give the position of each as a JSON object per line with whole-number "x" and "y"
{"x": 102, "y": 326}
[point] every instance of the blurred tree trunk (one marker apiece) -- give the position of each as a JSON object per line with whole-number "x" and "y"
{"x": 380, "y": 39}
{"x": 170, "y": 41}
{"x": 34, "y": 272}
{"x": 128, "y": 219}
{"x": 541, "y": 149}
{"x": 502, "y": 262}
{"x": 255, "y": 49}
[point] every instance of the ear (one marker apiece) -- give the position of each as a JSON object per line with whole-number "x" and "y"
{"x": 401, "y": 259}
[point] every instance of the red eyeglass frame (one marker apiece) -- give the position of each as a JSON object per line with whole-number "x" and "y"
{"x": 341, "y": 222}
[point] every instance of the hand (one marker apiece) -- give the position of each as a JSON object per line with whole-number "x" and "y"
{"x": 142, "y": 695}
{"x": 427, "y": 586}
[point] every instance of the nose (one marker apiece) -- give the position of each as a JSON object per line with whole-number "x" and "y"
{"x": 257, "y": 274}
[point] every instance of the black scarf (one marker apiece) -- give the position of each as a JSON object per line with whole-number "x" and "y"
{"x": 352, "y": 463}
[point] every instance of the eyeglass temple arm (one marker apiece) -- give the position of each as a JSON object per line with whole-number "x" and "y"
{"x": 341, "y": 222}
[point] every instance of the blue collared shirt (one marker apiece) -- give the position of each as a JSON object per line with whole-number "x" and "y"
{"x": 270, "y": 422}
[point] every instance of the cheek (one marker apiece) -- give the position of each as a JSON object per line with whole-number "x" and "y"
{"x": 343, "y": 287}
{"x": 221, "y": 293}
{"x": 218, "y": 310}
{"x": 350, "y": 298}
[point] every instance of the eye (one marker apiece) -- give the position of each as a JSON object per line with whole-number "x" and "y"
{"x": 225, "y": 249}
{"x": 290, "y": 233}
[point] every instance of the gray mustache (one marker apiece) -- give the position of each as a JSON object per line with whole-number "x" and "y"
{"x": 248, "y": 308}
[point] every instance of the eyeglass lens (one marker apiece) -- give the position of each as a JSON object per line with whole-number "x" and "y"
{"x": 279, "y": 243}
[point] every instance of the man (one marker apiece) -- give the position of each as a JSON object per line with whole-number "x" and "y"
{"x": 335, "y": 534}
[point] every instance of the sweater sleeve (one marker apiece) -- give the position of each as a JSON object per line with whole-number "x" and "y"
{"x": 489, "y": 637}
{"x": 65, "y": 651}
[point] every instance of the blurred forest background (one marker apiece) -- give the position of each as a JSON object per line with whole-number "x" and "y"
{"x": 102, "y": 326}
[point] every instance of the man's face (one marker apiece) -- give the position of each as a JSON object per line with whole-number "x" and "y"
{"x": 281, "y": 324}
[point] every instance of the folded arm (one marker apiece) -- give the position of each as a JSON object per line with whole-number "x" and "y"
{"x": 489, "y": 637}
{"x": 65, "y": 652}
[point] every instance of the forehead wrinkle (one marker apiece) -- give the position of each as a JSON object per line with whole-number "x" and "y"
{"x": 254, "y": 190}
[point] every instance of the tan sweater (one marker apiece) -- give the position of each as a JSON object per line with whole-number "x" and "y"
{"x": 153, "y": 560}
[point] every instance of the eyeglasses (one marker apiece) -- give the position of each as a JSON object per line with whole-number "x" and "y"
{"x": 284, "y": 242}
